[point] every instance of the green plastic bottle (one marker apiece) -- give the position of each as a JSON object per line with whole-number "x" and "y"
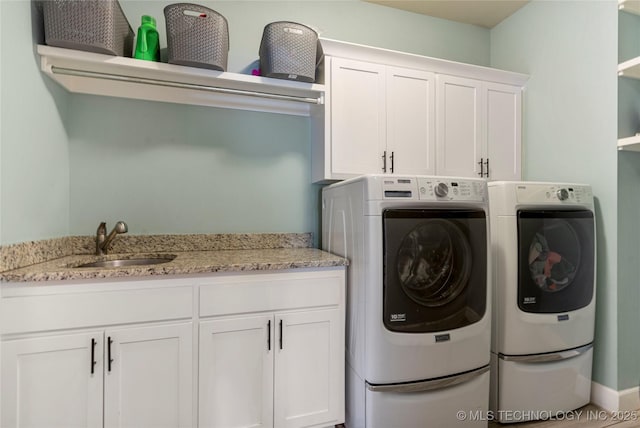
{"x": 148, "y": 43}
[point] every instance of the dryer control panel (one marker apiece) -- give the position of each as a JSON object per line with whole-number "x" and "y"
{"x": 433, "y": 189}
{"x": 530, "y": 193}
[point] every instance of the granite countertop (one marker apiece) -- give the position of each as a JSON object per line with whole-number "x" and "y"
{"x": 194, "y": 254}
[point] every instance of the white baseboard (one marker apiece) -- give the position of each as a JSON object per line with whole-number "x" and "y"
{"x": 615, "y": 401}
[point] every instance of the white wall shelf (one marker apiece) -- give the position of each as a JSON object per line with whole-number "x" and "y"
{"x": 630, "y": 68}
{"x": 629, "y": 143}
{"x": 631, "y": 6}
{"x": 97, "y": 74}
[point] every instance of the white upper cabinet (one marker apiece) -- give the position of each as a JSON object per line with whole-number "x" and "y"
{"x": 459, "y": 130}
{"x": 479, "y": 129}
{"x": 379, "y": 118}
{"x": 397, "y": 113}
{"x": 357, "y": 119}
{"x": 410, "y": 121}
{"x": 502, "y": 137}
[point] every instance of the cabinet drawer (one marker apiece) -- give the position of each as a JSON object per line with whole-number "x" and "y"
{"x": 270, "y": 292}
{"x": 30, "y": 313}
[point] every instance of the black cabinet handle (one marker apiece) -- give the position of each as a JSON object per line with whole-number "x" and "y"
{"x": 384, "y": 161}
{"x": 269, "y": 335}
{"x": 486, "y": 164}
{"x": 93, "y": 355}
{"x": 280, "y": 334}
{"x": 109, "y": 359}
{"x": 392, "y": 156}
{"x": 481, "y": 163}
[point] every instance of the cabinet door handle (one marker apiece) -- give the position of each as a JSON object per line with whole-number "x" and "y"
{"x": 392, "y": 156}
{"x": 109, "y": 359}
{"x": 269, "y": 335}
{"x": 384, "y": 161}
{"x": 280, "y": 334}
{"x": 486, "y": 164}
{"x": 93, "y": 355}
{"x": 481, "y": 163}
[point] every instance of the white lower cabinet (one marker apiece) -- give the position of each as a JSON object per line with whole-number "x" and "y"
{"x": 148, "y": 376}
{"x": 274, "y": 370}
{"x": 138, "y": 376}
{"x": 52, "y": 381}
{"x": 236, "y": 372}
{"x": 309, "y": 359}
{"x": 268, "y": 352}
{"x": 272, "y": 350}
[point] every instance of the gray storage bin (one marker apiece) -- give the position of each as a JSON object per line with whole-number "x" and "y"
{"x": 289, "y": 50}
{"x": 196, "y": 36}
{"x": 89, "y": 25}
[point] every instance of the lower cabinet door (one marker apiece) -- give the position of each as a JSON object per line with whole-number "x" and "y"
{"x": 309, "y": 369}
{"x": 236, "y": 372}
{"x": 52, "y": 381}
{"x": 148, "y": 375}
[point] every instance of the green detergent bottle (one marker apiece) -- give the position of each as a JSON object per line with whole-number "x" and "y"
{"x": 148, "y": 43}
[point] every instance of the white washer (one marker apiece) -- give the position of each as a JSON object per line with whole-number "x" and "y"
{"x": 543, "y": 243}
{"x": 418, "y": 301}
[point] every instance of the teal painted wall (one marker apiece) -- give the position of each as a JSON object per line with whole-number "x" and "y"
{"x": 70, "y": 161}
{"x": 628, "y": 210}
{"x": 628, "y": 270}
{"x": 569, "y": 49}
{"x": 34, "y": 158}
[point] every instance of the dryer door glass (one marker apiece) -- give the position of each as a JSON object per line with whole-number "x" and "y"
{"x": 434, "y": 269}
{"x": 556, "y": 256}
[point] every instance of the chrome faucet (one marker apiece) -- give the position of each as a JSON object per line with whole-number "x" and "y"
{"x": 103, "y": 240}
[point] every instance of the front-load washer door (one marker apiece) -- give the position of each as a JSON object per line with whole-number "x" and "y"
{"x": 435, "y": 269}
{"x": 556, "y": 260}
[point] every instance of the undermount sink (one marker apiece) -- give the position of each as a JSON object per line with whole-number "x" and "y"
{"x": 128, "y": 262}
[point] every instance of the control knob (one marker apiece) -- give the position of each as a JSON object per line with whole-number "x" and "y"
{"x": 441, "y": 190}
{"x": 562, "y": 194}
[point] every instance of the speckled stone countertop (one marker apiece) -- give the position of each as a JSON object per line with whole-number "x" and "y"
{"x": 58, "y": 259}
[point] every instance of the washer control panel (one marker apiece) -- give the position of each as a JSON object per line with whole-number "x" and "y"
{"x": 433, "y": 189}
{"x": 536, "y": 193}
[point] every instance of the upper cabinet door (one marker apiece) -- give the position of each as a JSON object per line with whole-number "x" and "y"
{"x": 148, "y": 383}
{"x": 410, "y": 121}
{"x": 53, "y": 381}
{"x": 459, "y": 122}
{"x": 504, "y": 131}
{"x": 358, "y": 123}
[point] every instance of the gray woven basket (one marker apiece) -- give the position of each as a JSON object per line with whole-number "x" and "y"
{"x": 196, "y": 36}
{"x": 97, "y": 26}
{"x": 289, "y": 51}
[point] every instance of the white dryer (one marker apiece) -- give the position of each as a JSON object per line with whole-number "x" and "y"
{"x": 543, "y": 243}
{"x": 418, "y": 301}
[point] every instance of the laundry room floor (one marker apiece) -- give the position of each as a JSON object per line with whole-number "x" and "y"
{"x": 589, "y": 416}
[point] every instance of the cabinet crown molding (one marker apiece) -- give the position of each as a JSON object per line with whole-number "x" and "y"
{"x": 337, "y": 48}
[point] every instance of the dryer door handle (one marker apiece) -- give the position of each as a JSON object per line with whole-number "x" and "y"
{"x": 545, "y": 358}
{"x": 429, "y": 385}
